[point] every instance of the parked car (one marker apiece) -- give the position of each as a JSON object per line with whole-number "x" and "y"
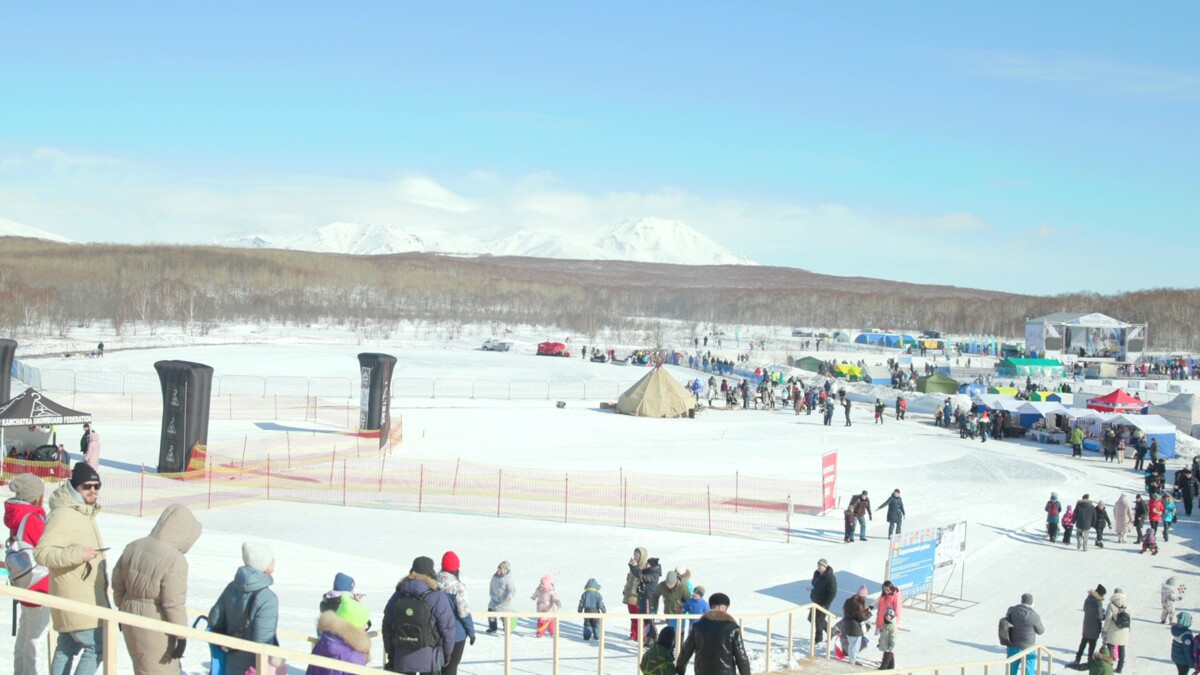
{"x": 496, "y": 345}
{"x": 552, "y": 349}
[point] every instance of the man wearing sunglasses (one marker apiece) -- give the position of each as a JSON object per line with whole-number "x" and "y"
{"x": 71, "y": 548}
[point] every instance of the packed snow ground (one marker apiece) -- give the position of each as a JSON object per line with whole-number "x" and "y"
{"x": 998, "y": 487}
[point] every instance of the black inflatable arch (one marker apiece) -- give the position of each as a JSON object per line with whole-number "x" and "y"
{"x": 7, "y": 349}
{"x": 187, "y": 390}
{"x": 374, "y": 413}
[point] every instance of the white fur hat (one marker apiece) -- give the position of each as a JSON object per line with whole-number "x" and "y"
{"x": 258, "y": 556}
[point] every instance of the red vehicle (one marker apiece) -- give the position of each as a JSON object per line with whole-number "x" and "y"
{"x": 552, "y": 349}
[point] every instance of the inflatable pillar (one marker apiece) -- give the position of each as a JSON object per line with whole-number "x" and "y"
{"x": 375, "y": 408}
{"x": 187, "y": 389}
{"x": 7, "y": 349}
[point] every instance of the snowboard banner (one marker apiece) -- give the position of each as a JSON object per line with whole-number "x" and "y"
{"x": 187, "y": 390}
{"x": 374, "y": 412}
{"x": 7, "y": 349}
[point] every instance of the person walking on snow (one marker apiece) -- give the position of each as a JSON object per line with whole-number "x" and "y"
{"x": 633, "y": 585}
{"x": 1116, "y": 626}
{"x": 1085, "y": 520}
{"x": 1122, "y": 515}
{"x": 1068, "y": 524}
{"x": 1171, "y": 592}
{"x": 500, "y": 596}
{"x": 862, "y": 511}
{"x": 591, "y": 602}
{"x": 1102, "y": 522}
{"x": 895, "y": 512}
{"x": 1026, "y": 626}
{"x": 1093, "y": 624}
{"x": 1053, "y": 509}
{"x": 24, "y": 516}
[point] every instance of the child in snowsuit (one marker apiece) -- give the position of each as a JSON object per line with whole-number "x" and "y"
{"x": 694, "y": 606}
{"x": 1068, "y": 523}
{"x": 591, "y": 602}
{"x": 660, "y": 656}
{"x": 849, "y": 517}
{"x": 1172, "y": 592}
{"x": 546, "y": 600}
{"x": 887, "y": 640}
{"x": 1148, "y": 542}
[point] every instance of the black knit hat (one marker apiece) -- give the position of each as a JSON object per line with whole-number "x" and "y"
{"x": 83, "y": 473}
{"x": 718, "y": 599}
{"x": 423, "y": 565}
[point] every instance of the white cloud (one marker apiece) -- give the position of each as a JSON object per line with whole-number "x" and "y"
{"x": 425, "y": 192}
{"x": 1101, "y": 75}
{"x": 62, "y": 161}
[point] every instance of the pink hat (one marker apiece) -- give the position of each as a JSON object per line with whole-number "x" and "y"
{"x": 862, "y": 590}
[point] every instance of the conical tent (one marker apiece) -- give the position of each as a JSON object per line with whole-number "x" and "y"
{"x": 1183, "y": 411}
{"x": 937, "y": 384}
{"x": 1117, "y": 401}
{"x": 656, "y": 395}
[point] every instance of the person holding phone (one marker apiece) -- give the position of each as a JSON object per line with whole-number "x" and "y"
{"x": 72, "y": 550}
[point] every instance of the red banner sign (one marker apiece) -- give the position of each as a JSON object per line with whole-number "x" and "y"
{"x": 828, "y": 481}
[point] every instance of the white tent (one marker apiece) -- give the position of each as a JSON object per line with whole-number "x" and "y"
{"x": 879, "y": 375}
{"x": 1183, "y": 411}
{"x": 1040, "y": 408}
{"x": 997, "y": 402}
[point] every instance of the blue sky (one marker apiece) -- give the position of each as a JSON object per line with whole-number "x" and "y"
{"x": 928, "y": 142}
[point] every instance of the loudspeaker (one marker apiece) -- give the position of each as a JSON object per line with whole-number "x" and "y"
{"x": 187, "y": 390}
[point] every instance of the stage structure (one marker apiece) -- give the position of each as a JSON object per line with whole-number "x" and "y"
{"x": 1084, "y": 335}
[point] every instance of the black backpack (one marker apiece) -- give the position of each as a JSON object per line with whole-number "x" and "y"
{"x": 413, "y": 625}
{"x": 1122, "y": 619}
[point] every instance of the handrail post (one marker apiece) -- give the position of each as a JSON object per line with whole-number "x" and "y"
{"x": 508, "y": 629}
{"x": 767, "y": 651}
{"x": 109, "y": 628}
{"x": 600, "y": 666}
{"x": 791, "y": 637}
{"x": 554, "y": 626}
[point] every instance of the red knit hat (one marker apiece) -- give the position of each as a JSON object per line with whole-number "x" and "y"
{"x": 450, "y": 561}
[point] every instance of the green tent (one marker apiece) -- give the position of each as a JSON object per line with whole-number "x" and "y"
{"x": 937, "y": 384}
{"x": 1031, "y": 367}
{"x": 847, "y": 371}
{"x": 809, "y": 363}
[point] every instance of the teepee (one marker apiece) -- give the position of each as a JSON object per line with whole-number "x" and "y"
{"x": 656, "y": 395}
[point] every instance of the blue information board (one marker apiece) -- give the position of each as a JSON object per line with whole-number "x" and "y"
{"x": 910, "y": 561}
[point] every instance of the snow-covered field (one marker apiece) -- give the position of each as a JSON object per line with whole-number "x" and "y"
{"x": 999, "y": 488}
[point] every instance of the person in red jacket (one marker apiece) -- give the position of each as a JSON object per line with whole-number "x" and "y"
{"x": 26, "y": 506}
{"x": 1156, "y": 512}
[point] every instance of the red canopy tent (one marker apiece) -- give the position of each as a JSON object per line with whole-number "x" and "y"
{"x": 1118, "y": 401}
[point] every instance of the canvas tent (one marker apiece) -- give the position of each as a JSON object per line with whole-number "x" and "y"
{"x": 878, "y": 375}
{"x": 972, "y": 389}
{"x": 32, "y": 408}
{"x": 809, "y": 363}
{"x": 1119, "y": 402}
{"x": 1183, "y": 411}
{"x": 1155, "y": 428}
{"x": 997, "y": 402}
{"x": 937, "y": 384}
{"x": 1030, "y": 412}
{"x": 884, "y": 340}
{"x": 852, "y": 373}
{"x": 656, "y": 395}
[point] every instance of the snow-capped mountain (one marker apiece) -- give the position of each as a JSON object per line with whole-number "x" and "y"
{"x": 11, "y": 228}
{"x": 663, "y": 241}
{"x": 645, "y": 240}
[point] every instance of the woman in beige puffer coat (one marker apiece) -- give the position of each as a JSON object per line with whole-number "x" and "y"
{"x": 150, "y": 579}
{"x": 1114, "y": 636}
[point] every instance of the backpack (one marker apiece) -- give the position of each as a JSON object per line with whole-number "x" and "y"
{"x": 413, "y": 624}
{"x": 1122, "y": 619}
{"x": 23, "y": 570}
{"x": 1052, "y": 508}
{"x": 1005, "y": 630}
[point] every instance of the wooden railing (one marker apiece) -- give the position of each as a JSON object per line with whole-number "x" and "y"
{"x": 264, "y": 654}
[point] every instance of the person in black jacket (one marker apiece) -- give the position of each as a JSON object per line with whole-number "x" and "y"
{"x": 716, "y": 641}
{"x": 83, "y": 441}
{"x": 1140, "y": 513}
{"x": 1085, "y": 520}
{"x": 895, "y": 512}
{"x": 823, "y": 591}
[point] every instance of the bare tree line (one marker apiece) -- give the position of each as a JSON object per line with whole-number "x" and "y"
{"x": 49, "y": 288}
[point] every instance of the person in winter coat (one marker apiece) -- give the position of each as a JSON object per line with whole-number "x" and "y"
{"x": 464, "y": 625}
{"x": 1171, "y": 592}
{"x": 1116, "y": 636}
{"x": 151, "y": 579}
{"x": 1149, "y": 543}
{"x": 822, "y": 592}
{"x": 1155, "y": 512}
{"x": 716, "y": 642}
{"x": 1053, "y": 509}
{"x": 546, "y": 600}
{"x": 855, "y": 613}
{"x": 673, "y": 594}
{"x": 1093, "y": 624}
{"x": 1140, "y": 513}
{"x": 1181, "y": 643}
{"x": 651, "y": 574}
{"x": 1102, "y": 663}
{"x": 862, "y": 511}
{"x": 879, "y": 408}
{"x": 248, "y": 608}
{"x": 1122, "y": 517}
{"x": 1026, "y": 626}
{"x": 343, "y": 585}
{"x": 659, "y": 658}
{"x": 1077, "y": 442}
{"x": 1168, "y": 516}
{"x": 92, "y": 455}
{"x": 403, "y": 658}
{"x": 889, "y": 598}
{"x": 848, "y": 525}
{"x": 501, "y": 594}
{"x": 633, "y": 582}
{"x": 696, "y": 605}
{"x": 344, "y": 636}
{"x": 1068, "y": 524}
{"x": 72, "y": 550}
{"x": 1102, "y": 522}
{"x": 887, "y": 639}
{"x": 1085, "y": 520}
{"x": 83, "y": 440}
{"x": 591, "y": 602}
{"x": 895, "y": 512}
{"x": 26, "y": 507}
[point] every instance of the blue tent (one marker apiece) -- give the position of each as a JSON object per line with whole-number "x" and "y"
{"x": 972, "y": 389}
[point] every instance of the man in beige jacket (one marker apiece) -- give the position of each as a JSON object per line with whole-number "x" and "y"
{"x": 73, "y": 551}
{"x": 151, "y": 579}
